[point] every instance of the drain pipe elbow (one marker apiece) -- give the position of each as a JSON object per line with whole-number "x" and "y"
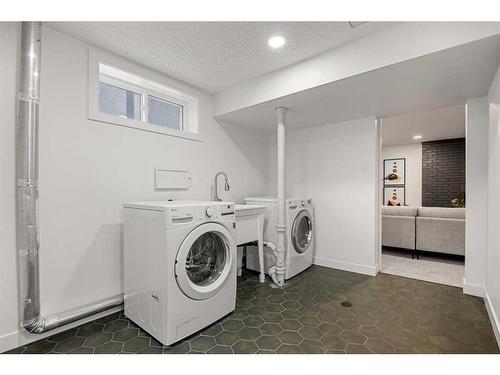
{"x": 34, "y": 326}
{"x": 272, "y": 274}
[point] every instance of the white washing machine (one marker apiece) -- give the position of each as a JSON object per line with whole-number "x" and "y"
{"x": 179, "y": 266}
{"x": 299, "y": 233}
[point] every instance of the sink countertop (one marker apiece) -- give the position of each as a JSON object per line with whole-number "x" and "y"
{"x": 248, "y": 209}
{"x": 245, "y": 207}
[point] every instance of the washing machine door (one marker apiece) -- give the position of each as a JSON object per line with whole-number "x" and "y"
{"x": 302, "y": 231}
{"x": 204, "y": 261}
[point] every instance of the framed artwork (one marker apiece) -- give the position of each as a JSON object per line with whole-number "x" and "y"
{"x": 395, "y": 171}
{"x": 394, "y": 196}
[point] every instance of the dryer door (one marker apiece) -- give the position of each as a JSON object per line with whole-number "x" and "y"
{"x": 204, "y": 260}
{"x": 302, "y": 231}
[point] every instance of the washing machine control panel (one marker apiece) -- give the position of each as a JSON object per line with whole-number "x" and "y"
{"x": 185, "y": 215}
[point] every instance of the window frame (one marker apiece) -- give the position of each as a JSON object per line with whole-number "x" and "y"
{"x": 107, "y": 68}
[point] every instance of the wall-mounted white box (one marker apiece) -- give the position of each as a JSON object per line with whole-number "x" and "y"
{"x": 169, "y": 179}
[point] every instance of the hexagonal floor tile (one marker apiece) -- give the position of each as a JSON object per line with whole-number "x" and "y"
{"x": 253, "y": 321}
{"x": 109, "y": 348}
{"x": 219, "y": 349}
{"x": 203, "y": 343}
{"x": 291, "y": 296}
{"x": 98, "y": 339}
{"x": 334, "y": 342}
{"x": 152, "y": 350}
{"x": 116, "y": 325}
{"x": 227, "y": 338}
{"x": 291, "y": 314}
{"x": 370, "y": 331}
{"x": 275, "y": 299}
{"x": 212, "y": 330}
{"x": 178, "y": 348}
{"x": 289, "y": 349}
{"x": 64, "y": 335}
{"x": 82, "y": 350}
{"x": 290, "y": 337}
{"x": 90, "y": 329}
{"x": 268, "y": 342}
{"x": 39, "y": 347}
{"x": 348, "y": 324}
{"x": 357, "y": 349}
{"x": 274, "y": 307}
{"x": 232, "y": 325}
{"x": 270, "y": 329}
{"x": 69, "y": 344}
{"x": 353, "y": 337}
{"x": 256, "y": 310}
{"x": 245, "y": 347}
{"x": 249, "y": 333}
{"x": 312, "y": 347}
{"x": 379, "y": 345}
{"x": 290, "y": 324}
{"x": 239, "y": 314}
{"x": 126, "y": 334}
{"x": 136, "y": 344}
{"x": 309, "y": 321}
{"x": 291, "y": 305}
{"x": 311, "y": 333}
{"x": 271, "y": 317}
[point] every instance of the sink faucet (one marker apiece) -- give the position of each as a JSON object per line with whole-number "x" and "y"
{"x": 226, "y": 185}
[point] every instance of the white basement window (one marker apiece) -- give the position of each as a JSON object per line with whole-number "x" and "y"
{"x": 122, "y": 98}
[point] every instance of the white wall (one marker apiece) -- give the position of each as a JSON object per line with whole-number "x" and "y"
{"x": 413, "y": 155}
{"x": 476, "y": 225}
{"x": 88, "y": 169}
{"x": 9, "y": 39}
{"x": 493, "y": 258}
{"x": 337, "y": 166}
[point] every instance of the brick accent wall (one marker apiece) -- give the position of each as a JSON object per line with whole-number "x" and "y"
{"x": 443, "y": 172}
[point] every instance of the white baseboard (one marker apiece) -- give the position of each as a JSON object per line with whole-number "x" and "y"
{"x": 473, "y": 289}
{"x": 21, "y": 337}
{"x": 494, "y": 318}
{"x": 346, "y": 266}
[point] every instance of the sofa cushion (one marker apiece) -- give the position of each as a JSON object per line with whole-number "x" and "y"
{"x": 399, "y": 211}
{"x": 442, "y": 212}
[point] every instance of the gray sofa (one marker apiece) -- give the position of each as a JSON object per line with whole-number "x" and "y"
{"x": 432, "y": 229}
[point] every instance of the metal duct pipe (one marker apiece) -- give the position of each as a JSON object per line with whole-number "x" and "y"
{"x": 27, "y": 228}
{"x": 281, "y": 224}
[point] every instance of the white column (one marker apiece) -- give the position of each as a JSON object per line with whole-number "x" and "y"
{"x": 281, "y": 225}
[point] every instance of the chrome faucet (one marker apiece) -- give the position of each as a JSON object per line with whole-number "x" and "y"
{"x": 226, "y": 185}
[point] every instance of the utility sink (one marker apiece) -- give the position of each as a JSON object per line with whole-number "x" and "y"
{"x": 249, "y": 228}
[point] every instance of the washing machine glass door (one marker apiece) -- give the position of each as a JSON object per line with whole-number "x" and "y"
{"x": 204, "y": 261}
{"x": 302, "y": 231}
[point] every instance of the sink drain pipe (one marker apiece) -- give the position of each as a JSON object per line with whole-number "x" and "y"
{"x": 27, "y": 226}
{"x": 278, "y": 272}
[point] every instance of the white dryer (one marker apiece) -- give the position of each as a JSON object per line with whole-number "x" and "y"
{"x": 179, "y": 266}
{"x": 299, "y": 233}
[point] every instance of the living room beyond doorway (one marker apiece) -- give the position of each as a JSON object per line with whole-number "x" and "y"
{"x": 423, "y": 195}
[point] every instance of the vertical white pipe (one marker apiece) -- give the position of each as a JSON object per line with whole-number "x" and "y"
{"x": 281, "y": 225}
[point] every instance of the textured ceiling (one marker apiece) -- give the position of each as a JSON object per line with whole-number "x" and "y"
{"x": 442, "y": 79}
{"x": 215, "y": 55}
{"x": 442, "y": 123}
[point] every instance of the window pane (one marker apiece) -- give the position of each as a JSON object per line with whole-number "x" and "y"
{"x": 119, "y": 102}
{"x": 161, "y": 112}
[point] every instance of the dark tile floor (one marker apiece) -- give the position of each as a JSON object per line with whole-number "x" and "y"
{"x": 384, "y": 314}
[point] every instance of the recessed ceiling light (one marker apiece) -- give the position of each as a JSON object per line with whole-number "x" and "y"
{"x": 417, "y": 137}
{"x": 276, "y": 41}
